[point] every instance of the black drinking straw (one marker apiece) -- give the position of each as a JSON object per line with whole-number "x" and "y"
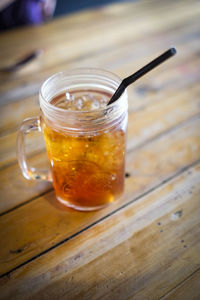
{"x": 132, "y": 78}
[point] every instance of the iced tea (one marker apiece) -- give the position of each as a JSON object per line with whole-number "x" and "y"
{"x": 87, "y": 167}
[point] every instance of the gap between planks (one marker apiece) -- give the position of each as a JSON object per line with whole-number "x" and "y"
{"x": 182, "y": 283}
{"x": 132, "y": 150}
{"x": 42, "y": 75}
{"x": 165, "y": 181}
{"x": 36, "y": 273}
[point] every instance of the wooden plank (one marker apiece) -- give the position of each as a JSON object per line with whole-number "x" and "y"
{"x": 34, "y": 144}
{"x": 26, "y": 108}
{"x": 70, "y": 47}
{"x": 180, "y": 75}
{"x": 15, "y": 187}
{"x": 188, "y": 289}
{"x": 143, "y": 125}
{"x": 177, "y": 78}
{"x": 106, "y": 18}
{"x": 74, "y": 22}
{"x": 39, "y": 218}
{"x": 155, "y": 119}
{"x": 141, "y": 251}
{"x": 137, "y": 58}
{"x": 135, "y": 48}
{"x": 145, "y": 165}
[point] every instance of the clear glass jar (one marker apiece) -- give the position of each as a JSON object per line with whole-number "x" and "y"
{"x": 86, "y": 149}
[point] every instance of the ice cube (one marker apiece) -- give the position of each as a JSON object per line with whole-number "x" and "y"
{"x": 103, "y": 100}
{"x": 89, "y": 102}
{"x": 83, "y": 101}
{"x": 95, "y": 104}
{"x": 78, "y": 103}
{"x": 68, "y": 96}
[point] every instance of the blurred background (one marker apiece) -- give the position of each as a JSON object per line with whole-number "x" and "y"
{"x": 65, "y": 7}
{"x": 15, "y": 13}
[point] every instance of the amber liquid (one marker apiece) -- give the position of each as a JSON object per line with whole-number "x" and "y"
{"x": 87, "y": 169}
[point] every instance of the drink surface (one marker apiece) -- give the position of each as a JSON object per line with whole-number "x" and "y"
{"x": 87, "y": 169}
{"x": 82, "y": 100}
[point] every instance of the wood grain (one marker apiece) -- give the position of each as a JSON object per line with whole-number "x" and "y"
{"x": 147, "y": 92}
{"x": 126, "y": 58}
{"x": 188, "y": 289}
{"x": 136, "y": 252}
{"x": 102, "y": 19}
{"x": 181, "y": 75}
{"x": 147, "y": 245}
{"x": 15, "y": 189}
{"x": 143, "y": 125}
{"x": 26, "y": 108}
{"x": 147, "y": 168}
{"x": 62, "y": 47}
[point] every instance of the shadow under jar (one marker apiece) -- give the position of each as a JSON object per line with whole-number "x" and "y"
{"x": 85, "y": 139}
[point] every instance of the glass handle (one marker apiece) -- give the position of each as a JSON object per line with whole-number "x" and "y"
{"x": 28, "y": 125}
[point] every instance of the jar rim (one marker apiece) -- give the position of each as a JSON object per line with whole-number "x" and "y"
{"x": 74, "y": 73}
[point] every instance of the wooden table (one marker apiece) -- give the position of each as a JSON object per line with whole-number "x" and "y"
{"x": 148, "y": 245}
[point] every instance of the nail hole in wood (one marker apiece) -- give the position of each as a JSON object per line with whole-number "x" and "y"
{"x": 127, "y": 174}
